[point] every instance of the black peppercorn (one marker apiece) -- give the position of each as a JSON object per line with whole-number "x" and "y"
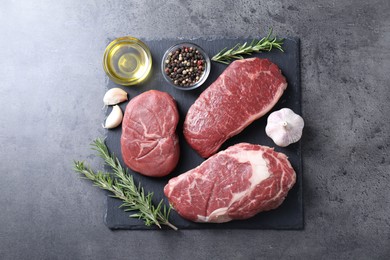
{"x": 184, "y": 66}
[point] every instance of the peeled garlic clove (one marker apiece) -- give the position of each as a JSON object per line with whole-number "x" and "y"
{"x": 284, "y": 127}
{"x": 114, "y": 118}
{"x": 114, "y": 96}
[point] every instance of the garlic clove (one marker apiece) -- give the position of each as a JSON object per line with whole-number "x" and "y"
{"x": 114, "y": 96}
{"x": 284, "y": 127}
{"x": 114, "y": 118}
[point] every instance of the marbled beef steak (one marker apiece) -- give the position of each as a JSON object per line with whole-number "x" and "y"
{"x": 244, "y": 92}
{"x": 236, "y": 183}
{"x": 149, "y": 141}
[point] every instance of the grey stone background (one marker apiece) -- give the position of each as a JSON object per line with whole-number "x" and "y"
{"x": 51, "y": 86}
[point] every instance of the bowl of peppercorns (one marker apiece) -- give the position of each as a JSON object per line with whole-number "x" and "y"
{"x": 185, "y": 66}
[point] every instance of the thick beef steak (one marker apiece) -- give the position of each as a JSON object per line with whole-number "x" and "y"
{"x": 236, "y": 183}
{"x": 244, "y": 92}
{"x": 149, "y": 141}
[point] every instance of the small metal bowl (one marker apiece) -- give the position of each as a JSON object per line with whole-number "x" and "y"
{"x": 203, "y": 76}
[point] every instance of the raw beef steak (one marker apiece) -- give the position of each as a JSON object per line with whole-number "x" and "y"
{"x": 236, "y": 183}
{"x": 149, "y": 141}
{"x": 244, "y": 92}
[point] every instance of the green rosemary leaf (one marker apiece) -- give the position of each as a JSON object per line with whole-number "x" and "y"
{"x": 267, "y": 43}
{"x": 122, "y": 186}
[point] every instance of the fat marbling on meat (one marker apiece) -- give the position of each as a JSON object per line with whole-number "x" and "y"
{"x": 236, "y": 183}
{"x": 149, "y": 141}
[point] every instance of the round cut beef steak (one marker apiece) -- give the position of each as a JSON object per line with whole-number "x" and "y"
{"x": 236, "y": 183}
{"x": 149, "y": 141}
{"x": 244, "y": 92}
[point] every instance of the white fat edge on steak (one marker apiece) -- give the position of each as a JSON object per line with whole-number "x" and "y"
{"x": 260, "y": 173}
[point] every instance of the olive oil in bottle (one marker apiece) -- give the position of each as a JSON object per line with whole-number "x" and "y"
{"x": 127, "y": 61}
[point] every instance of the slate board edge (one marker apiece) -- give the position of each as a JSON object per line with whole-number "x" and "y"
{"x": 297, "y": 226}
{"x": 298, "y": 65}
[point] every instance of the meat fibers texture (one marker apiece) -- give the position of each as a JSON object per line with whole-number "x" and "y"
{"x": 236, "y": 183}
{"x": 244, "y": 92}
{"x": 149, "y": 141}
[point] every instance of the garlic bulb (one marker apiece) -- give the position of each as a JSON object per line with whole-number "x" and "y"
{"x": 114, "y": 96}
{"x": 114, "y": 118}
{"x": 284, "y": 127}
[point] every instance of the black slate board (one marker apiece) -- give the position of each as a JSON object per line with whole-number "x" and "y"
{"x": 290, "y": 214}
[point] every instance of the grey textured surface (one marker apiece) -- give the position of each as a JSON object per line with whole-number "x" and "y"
{"x": 52, "y": 81}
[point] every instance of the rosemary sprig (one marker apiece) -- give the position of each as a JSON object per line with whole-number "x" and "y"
{"x": 122, "y": 186}
{"x": 267, "y": 43}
